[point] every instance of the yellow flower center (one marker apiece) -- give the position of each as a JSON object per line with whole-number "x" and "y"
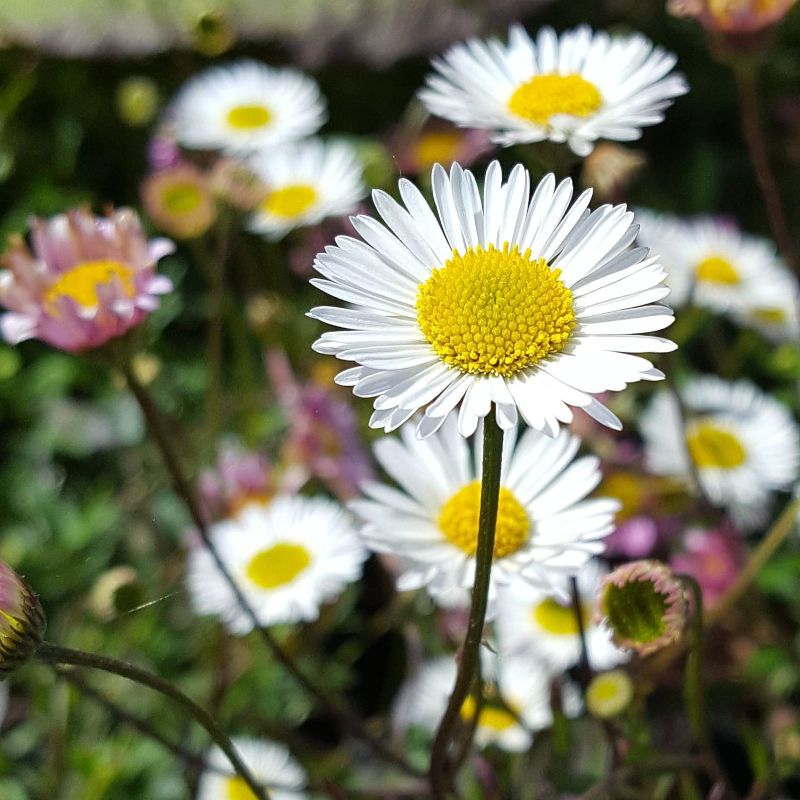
{"x": 437, "y": 147}
{"x": 715, "y": 269}
{"x": 237, "y": 789}
{"x": 458, "y": 521}
{"x": 545, "y": 95}
{"x": 278, "y": 565}
{"x": 181, "y": 197}
{"x": 711, "y": 446}
{"x": 557, "y": 619}
{"x": 248, "y": 117}
{"x": 291, "y": 201}
{"x": 495, "y": 311}
{"x": 491, "y": 717}
{"x": 81, "y": 282}
{"x": 609, "y": 694}
{"x": 769, "y": 316}
{"x": 628, "y": 488}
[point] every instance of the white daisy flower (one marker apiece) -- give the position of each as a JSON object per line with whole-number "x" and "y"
{"x": 287, "y": 558}
{"x": 306, "y": 182}
{"x": 575, "y": 88}
{"x": 525, "y": 302}
{"x": 516, "y": 701}
{"x": 743, "y": 443}
{"x": 245, "y": 106}
{"x": 270, "y": 763}
{"x": 711, "y": 263}
{"x": 535, "y": 624}
{"x": 543, "y": 529}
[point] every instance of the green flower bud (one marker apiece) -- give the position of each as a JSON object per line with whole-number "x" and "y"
{"x": 22, "y": 621}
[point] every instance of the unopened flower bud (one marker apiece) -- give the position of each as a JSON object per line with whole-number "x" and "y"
{"x": 644, "y": 605}
{"x": 22, "y": 621}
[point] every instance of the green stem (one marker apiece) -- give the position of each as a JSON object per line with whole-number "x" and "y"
{"x": 440, "y": 772}
{"x": 585, "y": 667}
{"x": 694, "y": 688}
{"x": 54, "y": 654}
{"x": 181, "y": 485}
{"x": 783, "y": 526}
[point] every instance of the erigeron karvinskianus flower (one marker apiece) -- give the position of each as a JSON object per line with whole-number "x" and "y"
{"x": 516, "y": 701}
{"x": 89, "y": 279}
{"x": 644, "y": 605}
{"x": 741, "y": 443}
{"x": 545, "y": 529}
{"x": 22, "y": 621}
{"x": 545, "y": 628}
{"x": 179, "y": 201}
{"x": 732, "y": 16}
{"x": 287, "y": 558}
{"x": 244, "y": 107}
{"x": 575, "y": 88}
{"x": 525, "y": 302}
{"x": 305, "y": 183}
{"x": 609, "y": 694}
{"x": 270, "y": 763}
{"x": 710, "y": 263}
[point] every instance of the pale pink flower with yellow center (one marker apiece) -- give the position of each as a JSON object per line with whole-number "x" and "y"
{"x": 732, "y": 16}
{"x": 88, "y": 279}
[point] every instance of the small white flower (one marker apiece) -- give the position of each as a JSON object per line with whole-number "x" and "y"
{"x": 270, "y": 763}
{"x": 525, "y": 302}
{"x": 543, "y": 529}
{"x": 245, "y": 106}
{"x": 710, "y": 263}
{"x": 537, "y": 625}
{"x": 287, "y": 558}
{"x": 575, "y": 88}
{"x": 743, "y": 443}
{"x": 306, "y": 182}
{"x": 516, "y": 701}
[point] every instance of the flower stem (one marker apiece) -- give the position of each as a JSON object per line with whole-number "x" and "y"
{"x": 584, "y": 667}
{"x": 751, "y": 127}
{"x": 349, "y": 719}
{"x": 54, "y": 654}
{"x": 694, "y": 690}
{"x": 783, "y": 526}
{"x": 440, "y": 772}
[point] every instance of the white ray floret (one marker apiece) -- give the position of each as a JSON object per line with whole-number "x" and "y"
{"x": 269, "y": 762}
{"x": 525, "y": 301}
{"x": 575, "y": 88}
{"x": 545, "y": 529}
{"x": 286, "y": 558}
{"x": 306, "y": 182}
{"x": 245, "y": 106}
{"x": 744, "y": 443}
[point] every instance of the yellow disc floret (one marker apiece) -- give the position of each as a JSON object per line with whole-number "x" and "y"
{"x": 291, "y": 201}
{"x": 181, "y": 197}
{"x": 495, "y": 312}
{"x": 716, "y": 269}
{"x": 248, "y": 117}
{"x": 557, "y": 619}
{"x": 81, "y": 282}
{"x": 237, "y": 789}
{"x": 458, "y": 521}
{"x": 437, "y": 147}
{"x": 545, "y": 95}
{"x": 278, "y": 565}
{"x": 492, "y": 717}
{"x": 715, "y": 447}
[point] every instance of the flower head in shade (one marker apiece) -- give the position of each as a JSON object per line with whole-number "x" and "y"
{"x": 741, "y": 442}
{"x": 713, "y": 558}
{"x": 644, "y": 605}
{"x": 22, "y": 621}
{"x": 270, "y": 763}
{"x": 575, "y": 88}
{"x": 544, "y": 628}
{"x": 526, "y": 302}
{"x": 287, "y": 559}
{"x": 245, "y": 106}
{"x": 710, "y": 263}
{"x": 545, "y": 529}
{"x": 516, "y": 701}
{"x": 88, "y": 280}
{"x": 732, "y": 16}
{"x": 305, "y": 183}
{"x": 609, "y": 694}
{"x": 179, "y": 201}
